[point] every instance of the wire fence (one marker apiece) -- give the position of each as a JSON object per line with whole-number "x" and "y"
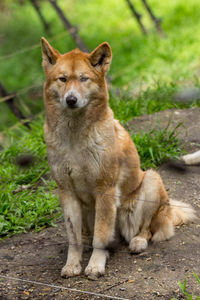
{"x": 20, "y": 92}
{"x": 10, "y": 98}
{"x": 61, "y": 287}
{"x": 11, "y": 55}
{"x": 14, "y": 95}
{"x": 5, "y": 99}
{"x": 35, "y": 46}
{"x": 24, "y": 91}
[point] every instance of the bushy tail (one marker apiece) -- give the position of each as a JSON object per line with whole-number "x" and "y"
{"x": 192, "y": 159}
{"x": 182, "y": 213}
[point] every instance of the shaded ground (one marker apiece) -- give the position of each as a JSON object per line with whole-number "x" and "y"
{"x": 150, "y": 275}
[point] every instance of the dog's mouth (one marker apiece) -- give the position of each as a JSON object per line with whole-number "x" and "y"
{"x": 72, "y": 106}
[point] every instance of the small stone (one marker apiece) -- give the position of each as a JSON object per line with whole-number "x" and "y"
{"x": 131, "y": 281}
{"x": 148, "y": 259}
{"x": 122, "y": 289}
{"x": 139, "y": 270}
{"x": 156, "y": 293}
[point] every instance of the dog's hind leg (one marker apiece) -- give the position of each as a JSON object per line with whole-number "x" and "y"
{"x": 152, "y": 198}
{"x": 104, "y": 227}
{"x": 144, "y": 207}
{"x": 73, "y": 222}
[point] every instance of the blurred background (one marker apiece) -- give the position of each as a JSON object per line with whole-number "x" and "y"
{"x": 156, "y": 56}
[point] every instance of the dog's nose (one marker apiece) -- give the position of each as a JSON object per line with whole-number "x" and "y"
{"x": 71, "y": 100}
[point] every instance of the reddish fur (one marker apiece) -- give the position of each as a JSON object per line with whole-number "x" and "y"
{"x": 92, "y": 157}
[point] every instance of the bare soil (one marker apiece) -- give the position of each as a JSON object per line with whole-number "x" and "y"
{"x": 151, "y": 275}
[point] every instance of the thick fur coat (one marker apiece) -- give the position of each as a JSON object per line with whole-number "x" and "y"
{"x": 96, "y": 165}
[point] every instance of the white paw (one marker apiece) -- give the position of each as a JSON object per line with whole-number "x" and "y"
{"x": 94, "y": 271}
{"x": 70, "y": 270}
{"x": 138, "y": 244}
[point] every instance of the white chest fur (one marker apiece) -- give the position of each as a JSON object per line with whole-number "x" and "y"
{"x": 76, "y": 161}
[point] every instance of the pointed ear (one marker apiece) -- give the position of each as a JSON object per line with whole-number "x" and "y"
{"x": 49, "y": 55}
{"x": 100, "y": 57}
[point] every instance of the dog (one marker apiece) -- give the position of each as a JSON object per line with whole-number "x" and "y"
{"x": 96, "y": 165}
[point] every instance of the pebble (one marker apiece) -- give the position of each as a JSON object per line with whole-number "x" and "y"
{"x": 156, "y": 293}
{"x": 139, "y": 270}
{"x": 148, "y": 258}
{"x": 122, "y": 289}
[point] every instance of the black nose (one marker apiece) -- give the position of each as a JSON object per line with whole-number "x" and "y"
{"x": 71, "y": 100}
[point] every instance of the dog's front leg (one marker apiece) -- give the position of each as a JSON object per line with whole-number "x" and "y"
{"x": 104, "y": 229}
{"x": 73, "y": 222}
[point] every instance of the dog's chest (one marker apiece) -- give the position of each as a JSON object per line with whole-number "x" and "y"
{"x": 77, "y": 164}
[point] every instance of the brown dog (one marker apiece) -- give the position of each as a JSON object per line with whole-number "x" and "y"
{"x": 96, "y": 165}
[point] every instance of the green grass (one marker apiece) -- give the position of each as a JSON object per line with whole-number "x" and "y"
{"x": 157, "y": 146}
{"x": 188, "y": 295}
{"x": 27, "y": 199}
{"x": 156, "y": 98}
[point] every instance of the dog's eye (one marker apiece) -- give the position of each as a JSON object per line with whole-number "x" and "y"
{"x": 62, "y": 78}
{"x": 82, "y": 79}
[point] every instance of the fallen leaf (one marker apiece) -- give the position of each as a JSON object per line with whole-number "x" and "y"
{"x": 26, "y": 293}
{"x": 131, "y": 281}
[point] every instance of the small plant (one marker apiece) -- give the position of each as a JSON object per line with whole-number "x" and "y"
{"x": 184, "y": 290}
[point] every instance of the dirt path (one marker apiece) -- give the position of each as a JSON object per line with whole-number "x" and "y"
{"x": 151, "y": 275}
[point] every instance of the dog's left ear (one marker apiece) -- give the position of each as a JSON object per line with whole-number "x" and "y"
{"x": 101, "y": 57}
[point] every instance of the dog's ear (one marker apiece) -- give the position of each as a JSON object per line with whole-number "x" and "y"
{"x": 49, "y": 55}
{"x": 100, "y": 57}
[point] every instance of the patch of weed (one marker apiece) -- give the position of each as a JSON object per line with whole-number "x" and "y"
{"x": 27, "y": 199}
{"x": 157, "y": 146}
{"x": 188, "y": 296}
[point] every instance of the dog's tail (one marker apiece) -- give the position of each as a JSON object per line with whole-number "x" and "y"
{"x": 182, "y": 213}
{"x": 192, "y": 159}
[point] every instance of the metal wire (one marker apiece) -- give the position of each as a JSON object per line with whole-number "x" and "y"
{"x": 62, "y": 288}
{"x": 38, "y": 45}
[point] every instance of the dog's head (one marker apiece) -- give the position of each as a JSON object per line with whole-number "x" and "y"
{"x": 75, "y": 78}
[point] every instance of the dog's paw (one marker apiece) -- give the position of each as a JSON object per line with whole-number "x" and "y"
{"x": 94, "y": 271}
{"x": 138, "y": 244}
{"x": 70, "y": 270}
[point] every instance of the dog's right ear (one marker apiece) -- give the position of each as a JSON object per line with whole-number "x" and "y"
{"x": 49, "y": 55}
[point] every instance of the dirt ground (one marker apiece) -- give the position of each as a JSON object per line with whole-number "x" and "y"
{"x": 153, "y": 274}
